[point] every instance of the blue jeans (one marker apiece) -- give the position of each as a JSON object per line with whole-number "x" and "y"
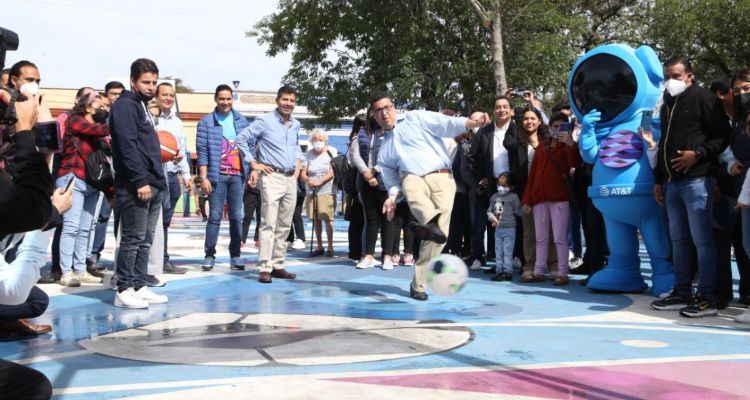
{"x": 505, "y": 241}
{"x": 100, "y": 229}
{"x": 689, "y": 207}
{"x": 74, "y": 239}
{"x": 137, "y": 220}
{"x": 229, "y": 189}
{"x": 167, "y": 207}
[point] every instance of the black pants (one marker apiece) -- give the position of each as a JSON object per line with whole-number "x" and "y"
{"x": 460, "y": 232}
{"x": 356, "y": 216}
{"x": 56, "y": 250}
{"x": 251, "y": 202}
{"x": 298, "y": 227}
{"x": 34, "y": 306}
{"x": 401, "y": 219}
{"x": 725, "y": 239}
{"x": 372, "y": 202}
{"x": 18, "y": 382}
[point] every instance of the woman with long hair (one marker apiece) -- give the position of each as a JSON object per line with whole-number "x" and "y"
{"x": 86, "y": 129}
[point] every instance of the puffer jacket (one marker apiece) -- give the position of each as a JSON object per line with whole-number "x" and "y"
{"x": 208, "y": 142}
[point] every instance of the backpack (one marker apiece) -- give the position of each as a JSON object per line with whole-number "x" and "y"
{"x": 98, "y": 168}
{"x": 340, "y": 169}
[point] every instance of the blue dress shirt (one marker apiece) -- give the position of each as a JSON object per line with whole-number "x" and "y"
{"x": 415, "y": 146}
{"x": 278, "y": 144}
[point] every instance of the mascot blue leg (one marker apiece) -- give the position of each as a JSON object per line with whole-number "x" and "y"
{"x": 657, "y": 244}
{"x": 623, "y": 271}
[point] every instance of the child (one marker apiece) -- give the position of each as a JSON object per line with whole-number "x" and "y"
{"x": 504, "y": 208}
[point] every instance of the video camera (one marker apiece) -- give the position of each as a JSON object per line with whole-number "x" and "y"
{"x": 8, "y": 41}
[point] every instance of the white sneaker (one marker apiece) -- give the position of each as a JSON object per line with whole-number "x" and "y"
{"x": 388, "y": 264}
{"x": 85, "y": 277}
{"x": 298, "y": 244}
{"x": 476, "y": 265}
{"x": 70, "y": 279}
{"x": 150, "y": 297}
{"x": 365, "y": 262}
{"x": 744, "y": 317}
{"x": 129, "y": 299}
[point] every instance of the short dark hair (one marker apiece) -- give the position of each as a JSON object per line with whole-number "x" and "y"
{"x": 158, "y": 87}
{"x": 15, "y": 70}
{"x": 222, "y": 88}
{"x": 142, "y": 66}
{"x": 561, "y": 106}
{"x": 285, "y": 90}
{"x": 113, "y": 85}
{"x": 679, "y": 60}
{"x": 558, "y": 116}
{"x": 377, "y": 96}
{"x": 722, "y": 85}
{"x": 501, "y": 97}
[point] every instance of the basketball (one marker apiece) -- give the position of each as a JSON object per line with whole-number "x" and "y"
{"x": 168, "y": 144}
{"x": 446, "y": 274}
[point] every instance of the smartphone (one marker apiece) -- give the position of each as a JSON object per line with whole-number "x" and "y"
{"x": 646, "y": 120}
{"x": 70, "y": 183}
{"x": 47, "y": 139}
{"x": 565, "y": 127}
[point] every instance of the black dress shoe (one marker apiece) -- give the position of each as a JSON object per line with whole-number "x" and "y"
{"x": 582, "y": 269}
{"x": 264, "y": 277}
{"x": 421, "y": 296}
{"x": 282, "y": 274}
{"x": 584, "y": 282}
{"x": 428, "y": 231}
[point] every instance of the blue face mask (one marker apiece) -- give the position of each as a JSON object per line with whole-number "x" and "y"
{"x": 503, "y": 190}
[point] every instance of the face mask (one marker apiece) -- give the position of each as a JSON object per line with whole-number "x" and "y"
{"x": 318, "y": 146}
{"x": 100, "y": 115}
{"x": 143, "y": 97}
{"x": 675, "y": 87}
{"x": 29, "y": 88}
{"x": 503, "y": 190}
{"x": 742, "y": 102}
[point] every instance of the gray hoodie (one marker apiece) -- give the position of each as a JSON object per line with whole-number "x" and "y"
{"x": 505, "y": 208}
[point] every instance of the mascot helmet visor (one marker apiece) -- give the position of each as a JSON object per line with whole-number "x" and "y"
{"x": 606, "y": 83}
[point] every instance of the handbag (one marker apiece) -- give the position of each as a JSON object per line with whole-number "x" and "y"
{"x": 97, "y": 167}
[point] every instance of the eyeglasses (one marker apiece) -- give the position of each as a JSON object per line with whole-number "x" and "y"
{"x": 382, "y": 110}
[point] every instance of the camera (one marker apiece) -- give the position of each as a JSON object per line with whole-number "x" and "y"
{"x": 8, "y": 41}
{"x": 517, "y": 93}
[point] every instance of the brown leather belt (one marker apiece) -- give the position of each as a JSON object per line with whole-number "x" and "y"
{"x": 441, "y": 171}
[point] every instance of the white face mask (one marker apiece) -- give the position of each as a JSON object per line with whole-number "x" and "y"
{"x": 318, "y": 145}
{"x": 503, "y": 190}
{"x": 29, "y": 88}
{"x": 675, "y": 87}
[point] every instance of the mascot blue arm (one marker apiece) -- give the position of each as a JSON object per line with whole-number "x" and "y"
{"x": 609, "y": 88}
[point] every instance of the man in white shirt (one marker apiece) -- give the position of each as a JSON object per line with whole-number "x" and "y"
{"x": 176, "y": 171}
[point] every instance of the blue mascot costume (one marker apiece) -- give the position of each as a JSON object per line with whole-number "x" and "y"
{"x": 609, "y": 88}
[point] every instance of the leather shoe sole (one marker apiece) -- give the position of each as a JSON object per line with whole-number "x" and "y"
{"x": 428, "y": 231}
{"x": 264, "y": 277}
{"x": 282, "y": 274}
{"x": 421, "y": 296}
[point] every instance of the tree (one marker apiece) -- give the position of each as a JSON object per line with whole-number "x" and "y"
{"x": 179, "y": 86}
{"x": 494, "y": 21}
{"x": 712, "y": 34}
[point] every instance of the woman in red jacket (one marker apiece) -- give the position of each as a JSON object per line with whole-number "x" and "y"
{"x": 547, "y": 195}
{"x": 86, "y": 126}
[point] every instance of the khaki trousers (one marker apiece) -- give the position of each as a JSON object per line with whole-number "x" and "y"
{"x": 427, "y": 197}
{"x": 278, "y": 196}
{"x": 529, "y": 246}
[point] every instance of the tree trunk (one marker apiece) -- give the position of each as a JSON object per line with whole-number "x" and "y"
{"x": 498, "y": 60}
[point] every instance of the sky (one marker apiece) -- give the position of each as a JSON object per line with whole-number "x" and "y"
{"x": 89, "y": 42}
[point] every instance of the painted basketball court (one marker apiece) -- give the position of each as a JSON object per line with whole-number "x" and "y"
{"x": 340, "y": 333}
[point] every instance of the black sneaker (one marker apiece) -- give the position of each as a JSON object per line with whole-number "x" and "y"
{"x": 700, "y": 306}
{"x": 672, "y": 302}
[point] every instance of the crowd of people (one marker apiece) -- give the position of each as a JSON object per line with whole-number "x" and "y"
{"x": 507, "y": 193}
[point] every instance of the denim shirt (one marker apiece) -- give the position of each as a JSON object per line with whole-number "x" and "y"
{"x": 278, "y": 144}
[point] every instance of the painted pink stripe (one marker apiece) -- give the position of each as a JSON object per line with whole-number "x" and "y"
{"x": 668, "y": 381}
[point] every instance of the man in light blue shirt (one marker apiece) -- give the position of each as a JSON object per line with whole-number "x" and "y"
{"x": 414, "y": 162}
{"x": 276, "y": 167}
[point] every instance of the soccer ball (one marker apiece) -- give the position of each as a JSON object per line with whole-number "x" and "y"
{"x": 446, "y": 274}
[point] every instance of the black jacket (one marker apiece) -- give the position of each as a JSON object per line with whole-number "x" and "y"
{"x": 25, "y": 203}
{"x": 695, "y": 120}
{"x": 481, "y": 157}
{"x": 136, "y": 154}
